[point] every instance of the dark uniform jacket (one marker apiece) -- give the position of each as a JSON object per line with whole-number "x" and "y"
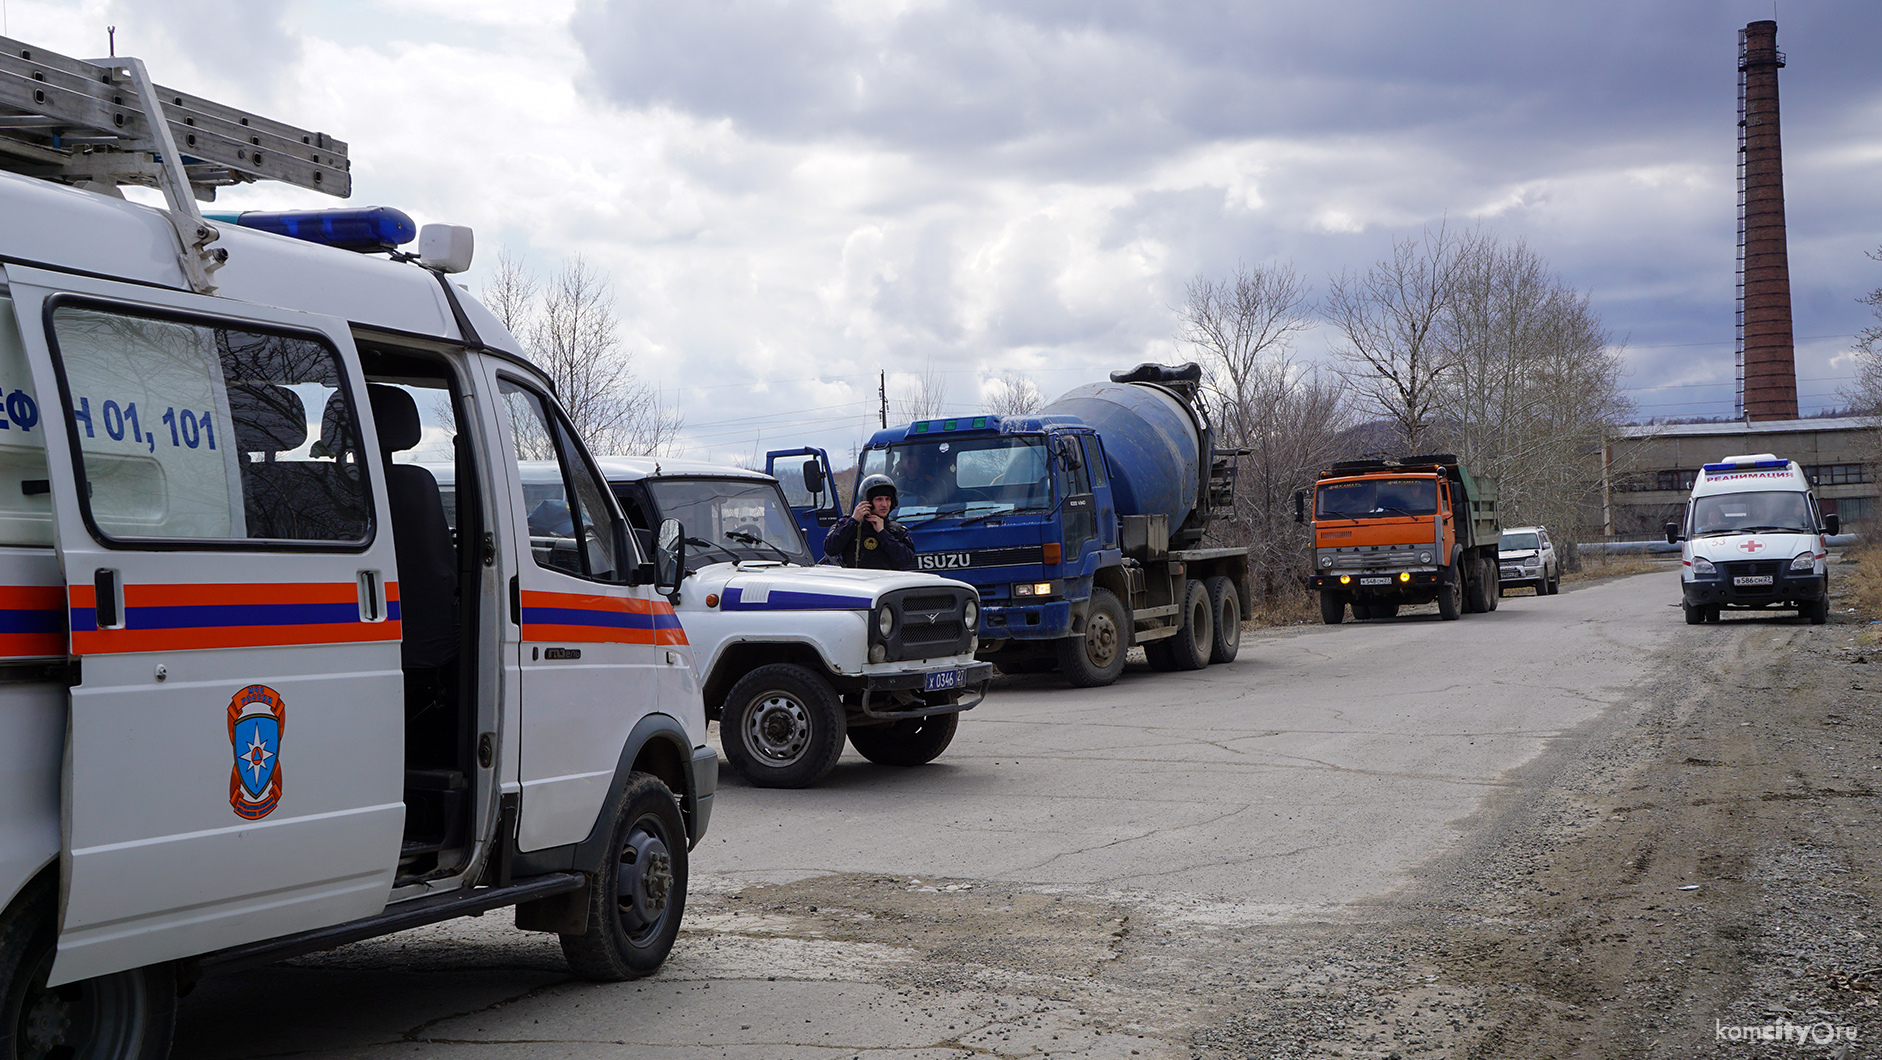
{"x": 857, "y": 544}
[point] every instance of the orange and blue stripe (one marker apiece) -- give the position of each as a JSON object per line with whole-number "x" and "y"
{"x": 592, "y": 619}
{"x": 32, "y": 621}
{"x": 265, "y": 614}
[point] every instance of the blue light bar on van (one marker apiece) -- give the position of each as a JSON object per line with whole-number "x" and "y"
{"x": 368, "y": 228}
{"x": 1752, "y": 465}
{"x": 957, "y": 424}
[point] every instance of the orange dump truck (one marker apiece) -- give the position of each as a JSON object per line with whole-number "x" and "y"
{"x": 1409, "y": 531}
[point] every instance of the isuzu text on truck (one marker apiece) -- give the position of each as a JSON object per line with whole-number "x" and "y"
{"x": 1080, "y": 525}
{"x": 1393, "y": 532}
{"x": 259, "y": 695}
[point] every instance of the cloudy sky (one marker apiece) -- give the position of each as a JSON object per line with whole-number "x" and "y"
{"x": 792, "y": 196}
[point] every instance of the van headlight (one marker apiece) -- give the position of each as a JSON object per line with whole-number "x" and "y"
{"x": 970, "y": 614}
{"x": 1804, "y": 562}
{"x": 1702, "y": 565}
{"x": 885, "y": 620}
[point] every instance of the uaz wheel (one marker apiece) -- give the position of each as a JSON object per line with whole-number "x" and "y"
{"x": 638, "y": 894}
{"x": 782, "y": 727}
{"x": 911, "y": 742}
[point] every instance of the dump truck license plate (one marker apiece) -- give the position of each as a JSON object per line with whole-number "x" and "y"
{"x": 941, "y": 681}
{"x": 1752, "y": 579}
{"x": 1375, "y": 581}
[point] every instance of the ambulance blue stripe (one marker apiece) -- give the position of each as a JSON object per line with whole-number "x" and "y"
{"x": 32, "y": 621}
{"x": 577, "y": 616}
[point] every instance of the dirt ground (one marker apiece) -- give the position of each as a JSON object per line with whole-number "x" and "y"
{"x": 1694, "y": 875}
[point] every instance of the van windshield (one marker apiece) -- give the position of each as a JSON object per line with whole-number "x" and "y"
{"x": 1370, "y": 498}
{"x": 1743, "y": 513}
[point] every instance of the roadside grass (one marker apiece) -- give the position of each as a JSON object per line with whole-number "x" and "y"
{"x": 1294, "y": 607}
{"x": 1597, "y": 566}
{"x": 1858, "y": 582}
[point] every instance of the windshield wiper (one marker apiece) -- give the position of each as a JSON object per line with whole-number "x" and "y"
{"x": 1772, "y": 530}
{"x": 1394, "y": 508}
{"x": 996, "y": 515}
{"x": 745, "y": 538}
{"x": 701, "y": 542}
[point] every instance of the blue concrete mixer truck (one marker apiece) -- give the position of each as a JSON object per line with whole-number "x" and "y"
{"x": 1081, "y": 525}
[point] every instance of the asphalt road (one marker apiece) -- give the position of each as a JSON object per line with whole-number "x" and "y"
{"x": 1068, "y": 879}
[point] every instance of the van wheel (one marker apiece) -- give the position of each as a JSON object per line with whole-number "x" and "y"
{"x": 1332, "y": 607}
{"x": 1096, "y": 656}
{"x": 782, "y": 727}
{"x": 122, "y": 1016}
{"x": 910, "y": 742}
{"x": 637, "y": 896}
{"x": 1226, "y": 604}
{"x": 1694, "y": 615}
{"x": 1817, "y": 611}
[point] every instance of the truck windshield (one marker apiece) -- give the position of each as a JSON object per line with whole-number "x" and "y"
{"x": 1369, "y": 498}
{"x": 1518, "y": 542}
{"x": 742, "y": 518}
{"x": 1740, "y": 513}
{"x": 962, "y": 477}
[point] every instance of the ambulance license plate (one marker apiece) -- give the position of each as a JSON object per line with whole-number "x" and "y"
{"x": 1752, "y": 579}
{"x": 941, "y": 681}
{"x": 1375, "y": 581}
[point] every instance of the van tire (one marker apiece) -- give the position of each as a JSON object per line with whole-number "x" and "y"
{"x": 1694, "y": 615}
{"x": 782, "y": 727}
{"x": 909, "y": 742}
{"x": 1817, "y": 611}
{"x": 638, "y": 895}
{"x": 1226, "y": 603}
{"x": 126, "y": 1015}
{"x": 1095, "y": 656}
{"x": 1332, "y": 607}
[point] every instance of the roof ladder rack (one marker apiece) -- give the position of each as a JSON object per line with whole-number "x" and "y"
{"x": 102, "y": 122}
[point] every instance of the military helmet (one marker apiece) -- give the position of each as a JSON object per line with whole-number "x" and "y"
{"x": 875, "y": 484}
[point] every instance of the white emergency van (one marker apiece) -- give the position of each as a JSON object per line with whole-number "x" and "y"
{"x": 1752, "y": 537}
{"x": 258, "y": 695}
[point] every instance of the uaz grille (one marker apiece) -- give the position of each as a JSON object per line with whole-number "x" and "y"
{"x": 928, "y": 624}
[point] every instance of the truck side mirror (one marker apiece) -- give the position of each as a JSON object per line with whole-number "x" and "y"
{"x": 1672, "y": 533}
{"x": 1300, "y": 506}
{"x": 669, "y": 557}
{"x": 813, "y": 476}
{"x": 1832, "y": 525}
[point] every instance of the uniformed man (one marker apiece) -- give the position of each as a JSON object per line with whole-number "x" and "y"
{"x": 868, "y": 537}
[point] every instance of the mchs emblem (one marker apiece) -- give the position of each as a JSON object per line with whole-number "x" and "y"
{"x": 256, "y": 719}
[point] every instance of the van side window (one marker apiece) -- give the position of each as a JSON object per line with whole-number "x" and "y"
{"x": 571, "y": 527}
{"x": 193, "y": 429}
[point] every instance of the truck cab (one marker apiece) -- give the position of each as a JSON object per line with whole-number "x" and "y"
{"x": 795, "y": 657}
{"x": 261, "y": 693}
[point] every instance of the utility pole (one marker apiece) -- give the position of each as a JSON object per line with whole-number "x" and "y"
{"x": 882, "y": 391}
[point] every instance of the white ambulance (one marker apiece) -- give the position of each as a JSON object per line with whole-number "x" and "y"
{"x": 1752, "y": 537}
{"x": 258, "y": 695}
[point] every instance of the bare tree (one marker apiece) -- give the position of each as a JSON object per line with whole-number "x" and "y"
{"x": 1287, "y": 419}
{"x": 1390, "y": 318}
{"x": 569, "y": 329}
{"x": 923, "y": 397}
{"x": 1014, "y": 394}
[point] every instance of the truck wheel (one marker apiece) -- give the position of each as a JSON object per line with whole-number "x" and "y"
{"x": 1451, "y": 597}
{"x": 1191, "y": 646}
{"x": 1332, "y": 607}
{"x": 1477, "y": 593}
{"x": 637, "y": 896}
{"x": 782, "y": 727}
{"x": 1226, "y": 604}
{"x": 1157, "y": 654}
{"x": 1096, "y": 657}
{"x": 911, "y": 742}
{"x": 122, "y": 1016}
{"x": 1362, "y": 609}
{"x": 1496, "y": 582}
{"x": 1385, "y": 609}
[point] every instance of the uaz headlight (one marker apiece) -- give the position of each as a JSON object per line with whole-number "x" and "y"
{"x": 1804, "y": 562}
{"x": 885, "y": 620}
{"x": 970, "y": 614}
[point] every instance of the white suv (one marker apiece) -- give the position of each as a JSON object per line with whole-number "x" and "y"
{"x": 1527, "y": 558}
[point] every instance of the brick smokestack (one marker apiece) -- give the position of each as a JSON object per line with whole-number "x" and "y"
{"x": 1767, "y": 359}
